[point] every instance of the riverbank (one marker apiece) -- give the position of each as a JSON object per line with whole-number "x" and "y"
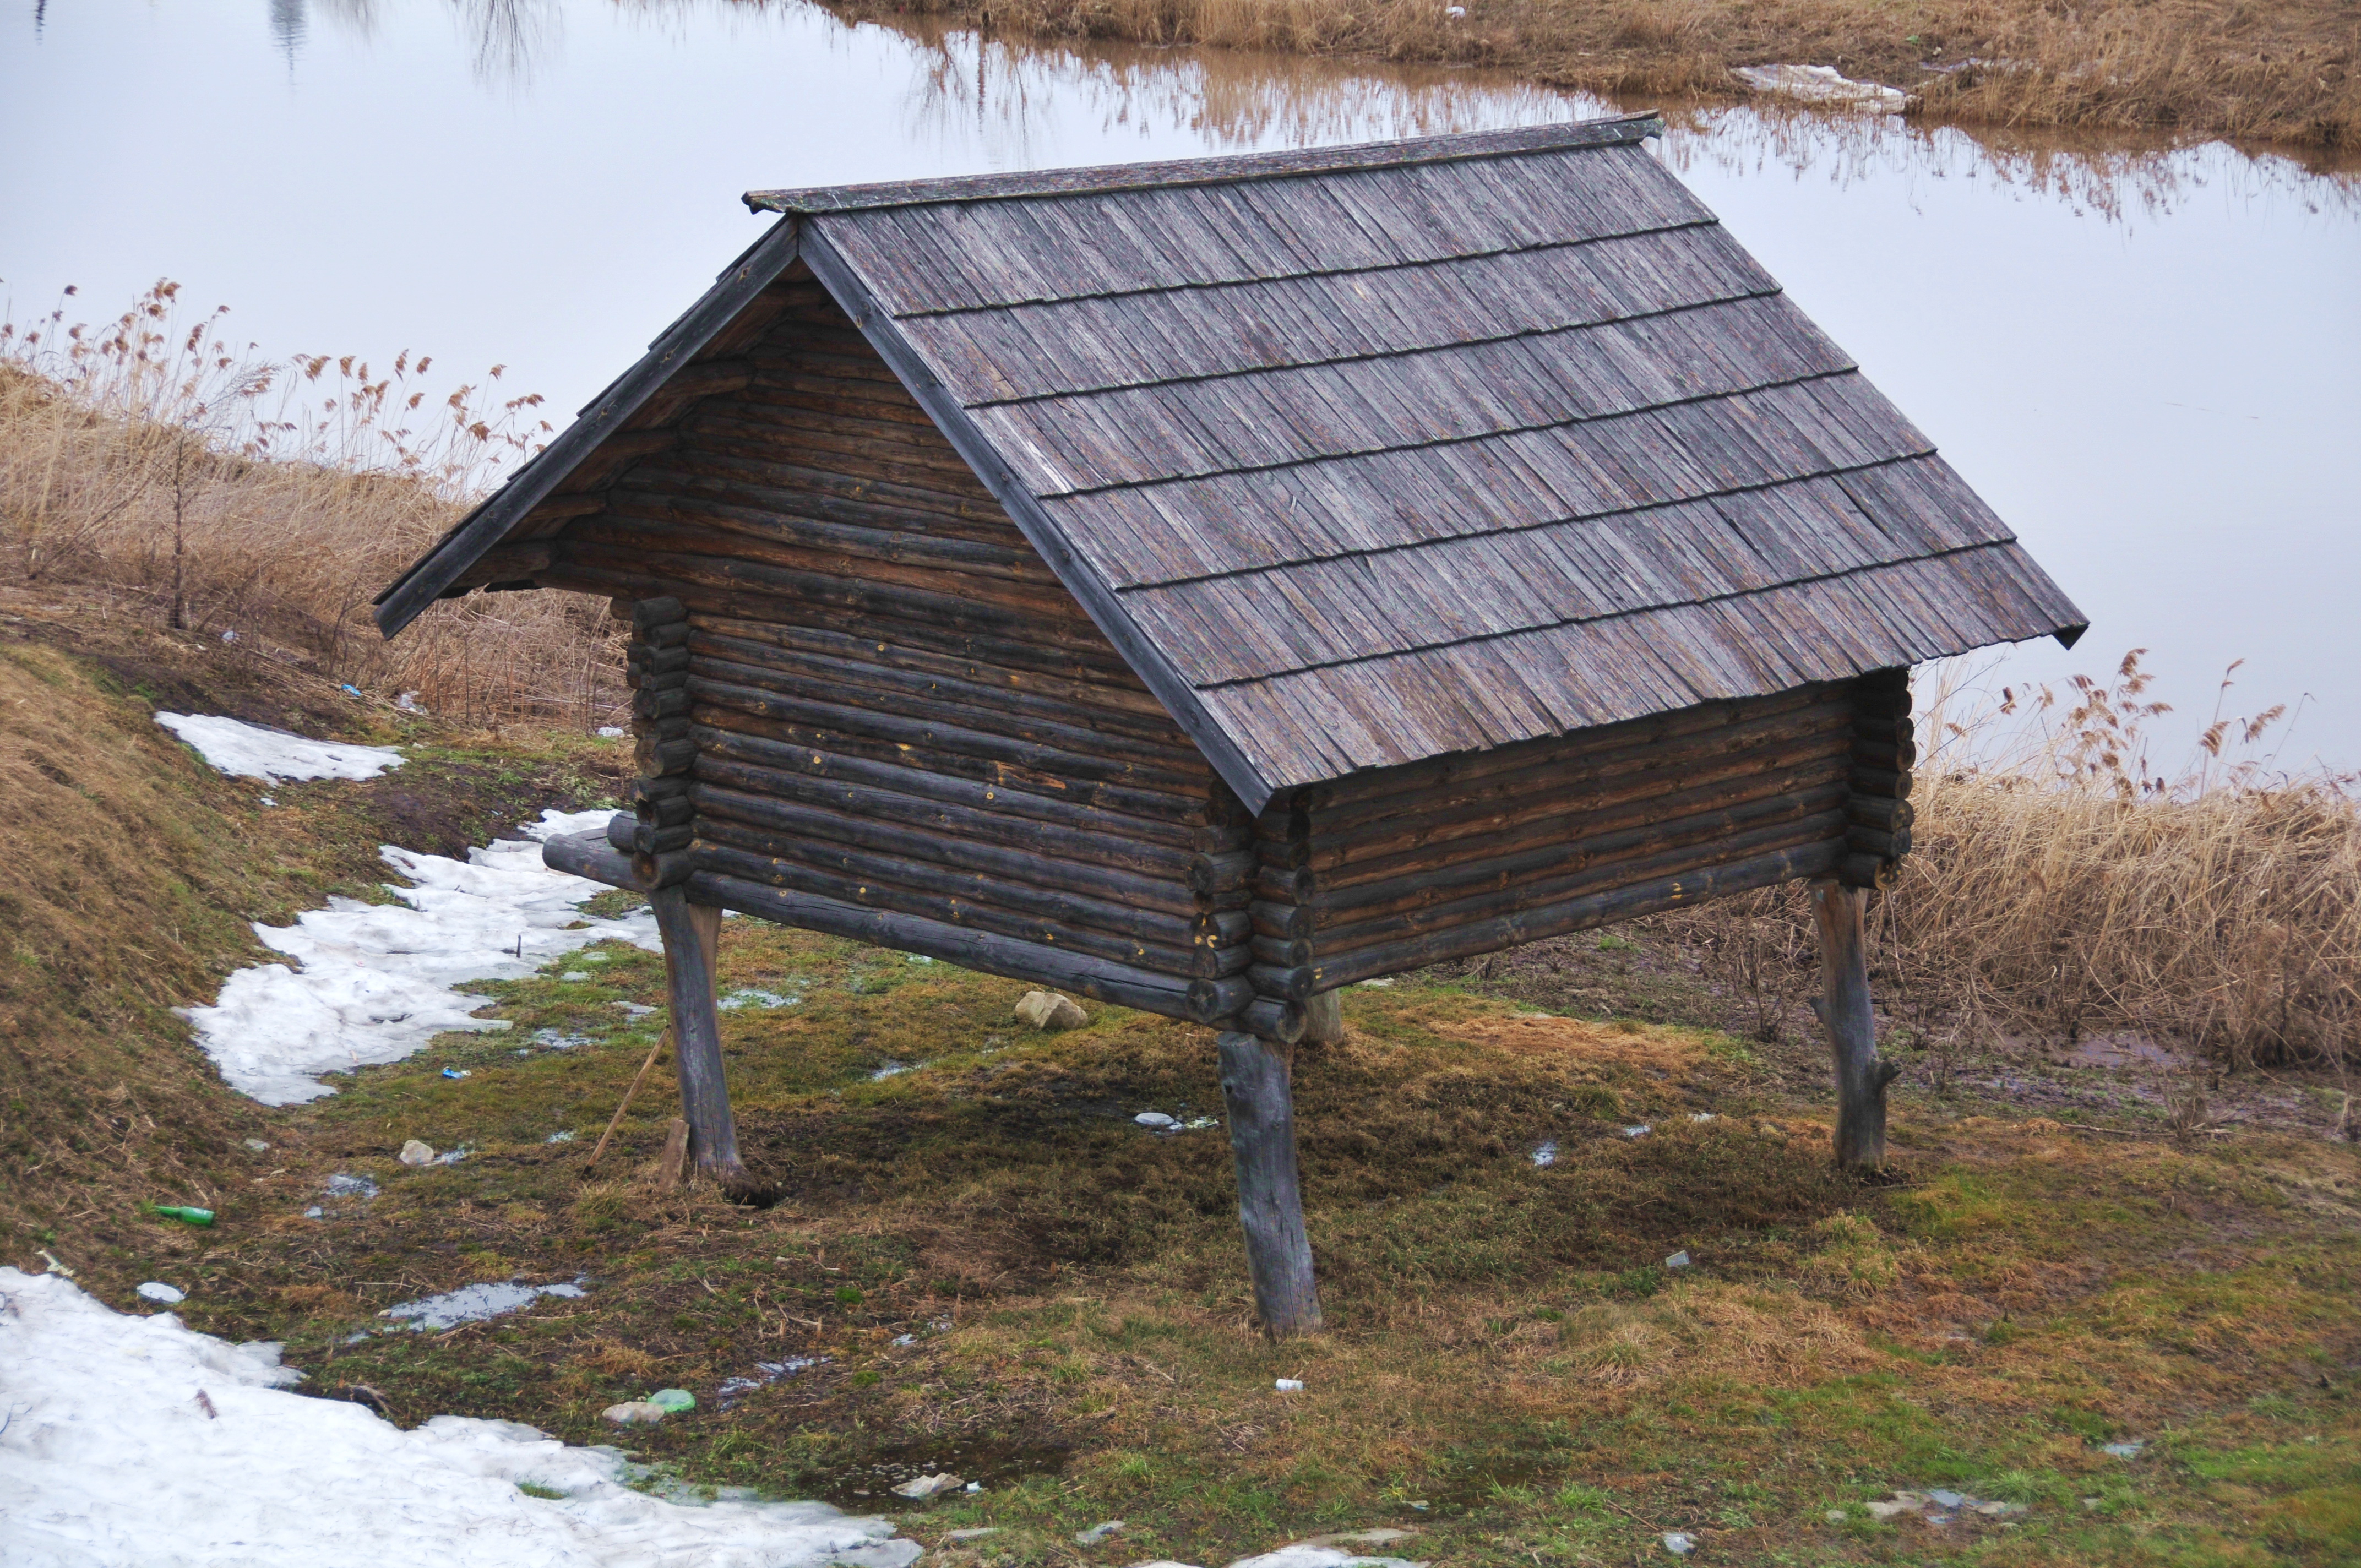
{"x": 2288, "y": 73}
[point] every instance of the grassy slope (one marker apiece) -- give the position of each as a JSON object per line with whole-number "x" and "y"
{"x": 1508, "y": 1349}
{"x": 134, "y": 871}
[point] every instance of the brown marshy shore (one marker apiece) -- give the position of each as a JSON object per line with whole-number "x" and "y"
{"x": 2288, "y": 72}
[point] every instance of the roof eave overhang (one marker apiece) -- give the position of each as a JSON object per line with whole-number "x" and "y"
{"x": 434, "y": 573}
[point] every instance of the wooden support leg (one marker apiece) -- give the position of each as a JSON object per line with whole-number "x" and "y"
{"x": 1255, "y": 1074}
{"x": 692, "y": 935}
{"x": 1324, "y": 1019}
{"x": 1844, "y": 1009}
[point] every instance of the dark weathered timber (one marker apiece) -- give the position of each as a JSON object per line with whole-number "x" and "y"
{"x": 1845, "y": 1012}
{"x": 1578, "y": 914}
{"x": 1544, "y": 833}
{"x": 1200, "y": 1001}
{"x": 1324, "y": 1019}
{"x": 1039, "y": 859}
{"x": 1257, "y": 1093}
{"x": 690, "y": 936}
{"x": 675, "y": 348}
{"x": 1819, "y": 834}
{"x": 733, "y": 732}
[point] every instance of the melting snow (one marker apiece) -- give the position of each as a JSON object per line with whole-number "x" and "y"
{"x": 250, "y": 751}
{"x": 110, "y": 1455}
{"x": 474, "y": 1304}
{"x": 374, "y": 982}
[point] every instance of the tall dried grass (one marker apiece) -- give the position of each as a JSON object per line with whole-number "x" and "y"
{"x": 271, "y": 500}
{"x": 2062, "y": 886}
{"x": 2288, "y": 72}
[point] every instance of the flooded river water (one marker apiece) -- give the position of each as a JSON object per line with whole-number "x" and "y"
{"x": 2150, "y": 364}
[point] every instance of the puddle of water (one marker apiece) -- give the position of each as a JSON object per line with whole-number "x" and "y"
{"x": 2142, "y": 357}
{"x": 868, "y": 1486}
{"x": 476, "y": 1304}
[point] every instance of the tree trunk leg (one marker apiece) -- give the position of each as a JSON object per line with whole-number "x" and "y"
{"x": 692, "y": 935}
{"x": 1324, "y": 1019}
{"x": 1844, "y": 1008}
{"x": 1255, "y": 1078}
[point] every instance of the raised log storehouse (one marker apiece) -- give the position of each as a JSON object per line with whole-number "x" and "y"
{"x": 1203, "y": 585}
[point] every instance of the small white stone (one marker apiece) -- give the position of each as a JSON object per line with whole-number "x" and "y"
{"x": 1156, "y": 1119}
{"x": 1678, "y": 1260}
{"x": 416, "y": 1153}
{"x": 1289, "y": 1385}
{"x": 1678, "y": 1543}
{"x": 156, "y": 1291}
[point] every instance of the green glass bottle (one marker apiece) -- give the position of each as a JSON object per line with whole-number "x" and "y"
{"x": 186, "y": 1216}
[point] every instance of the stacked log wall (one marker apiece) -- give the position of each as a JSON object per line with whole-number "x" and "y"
{"x": 904, "y": 730}
{"x": 1390, "y": 871}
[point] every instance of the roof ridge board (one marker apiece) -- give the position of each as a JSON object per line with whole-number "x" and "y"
{"x": 1610, "y": 616}
{"x": 1621, "y": 130}
{"x": 1364, "y": 356}
{"x": 1260, "y": 279}
{"x": 1444, "y": 441}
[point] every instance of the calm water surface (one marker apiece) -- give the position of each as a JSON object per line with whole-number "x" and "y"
{"x": 2151, "y": 365}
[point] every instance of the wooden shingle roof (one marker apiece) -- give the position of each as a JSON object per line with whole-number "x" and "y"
{"x": 1372, "y": 455}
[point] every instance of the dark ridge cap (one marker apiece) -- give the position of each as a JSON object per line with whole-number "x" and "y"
{"x": 1620, "y": 130}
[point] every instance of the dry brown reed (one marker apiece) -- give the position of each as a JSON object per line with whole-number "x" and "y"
{"x": 228, "y": 495}
{"x": 2060, "y": 887}
{"x": 2288, "y": 72}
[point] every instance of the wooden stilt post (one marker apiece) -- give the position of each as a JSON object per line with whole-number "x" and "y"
{"x": 1254, "y": 1087}
{"x": 1324, "y": 1019}
{"x": 691, "y": 936}
{"x": 1844, "y": 1008}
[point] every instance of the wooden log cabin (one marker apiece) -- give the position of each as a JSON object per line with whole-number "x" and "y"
{"x": 1202, "y": 586}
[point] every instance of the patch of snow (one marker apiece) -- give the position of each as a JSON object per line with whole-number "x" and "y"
{"x": 892, "y": 1069}
{"x": 474, "y": 1304}
{"x": 559, "y": 1138}
{"x": 343, "y": 1185}
{"x": 108, "y": 1456}
{"x": 1822, "y": 84}
{"x": 1639, "y": 1130}
{"x": 373, "y": 982}
{"x": 1546, "y": 1155}
{"x": 755, "y": 997}
{"x": 250, "y": 751}
{"x": 1310, "y": 1554}
{"x": 558, "y": 1040}
{"x": 611, "y": 732}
